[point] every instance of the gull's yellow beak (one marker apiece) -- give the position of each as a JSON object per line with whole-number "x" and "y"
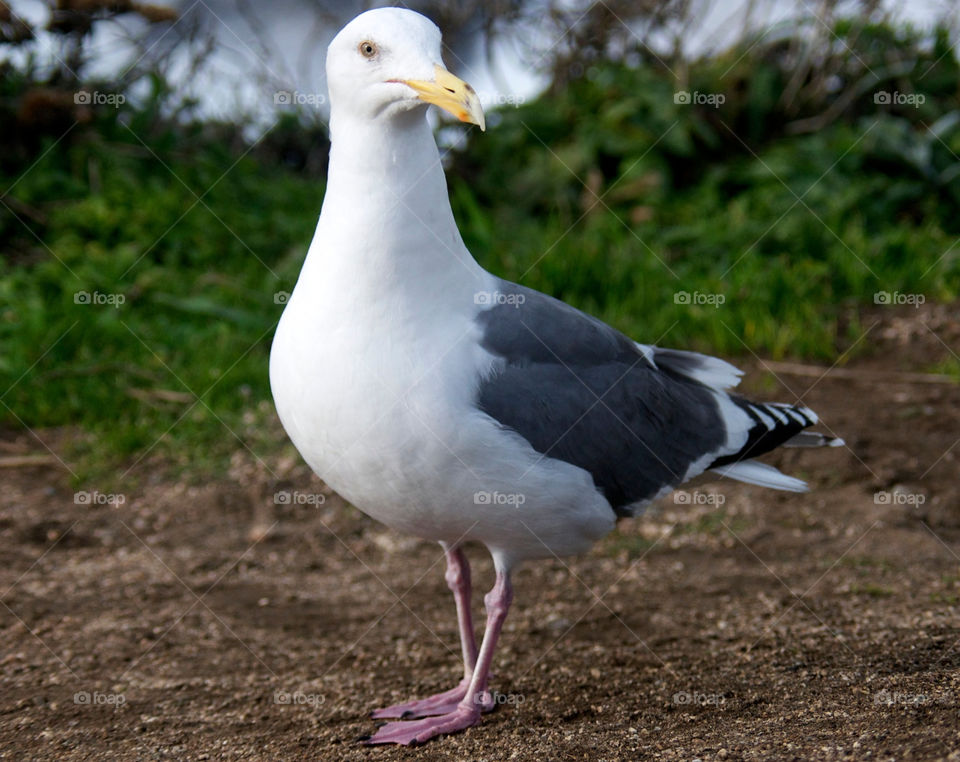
{"x": 451, "y": 94}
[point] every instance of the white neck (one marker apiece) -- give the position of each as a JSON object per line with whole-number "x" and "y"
{"x": 396, "y": 164}
{"x": 386, "y": 229}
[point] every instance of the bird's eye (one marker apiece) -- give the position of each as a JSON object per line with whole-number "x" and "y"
{"x": 367, "y": 49}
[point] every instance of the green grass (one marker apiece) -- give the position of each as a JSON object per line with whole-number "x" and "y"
{"x": 186, "y": 351}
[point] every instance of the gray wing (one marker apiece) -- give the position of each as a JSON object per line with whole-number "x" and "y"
{"x": 638, "y": 418}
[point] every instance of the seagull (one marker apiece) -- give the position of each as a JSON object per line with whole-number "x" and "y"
{"x": 456, "y": 406}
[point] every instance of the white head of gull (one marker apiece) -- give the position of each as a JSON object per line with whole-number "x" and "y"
{"x": 456, "y": 406}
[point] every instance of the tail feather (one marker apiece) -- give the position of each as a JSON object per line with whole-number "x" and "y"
{"x": 774, "y": 424}
{"x": 761, "y": 474}
{"x": 813, "y": 439}
{"x": 768, "y": 425}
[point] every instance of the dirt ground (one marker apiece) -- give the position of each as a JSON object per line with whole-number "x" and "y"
{"x": 208, "y": 622}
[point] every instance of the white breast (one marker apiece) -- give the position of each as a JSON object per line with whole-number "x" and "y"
{"x": 380, "y": 401}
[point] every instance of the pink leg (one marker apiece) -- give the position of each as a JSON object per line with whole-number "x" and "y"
{"x": 467, "y": 712}
{"x": 458, "y": 580}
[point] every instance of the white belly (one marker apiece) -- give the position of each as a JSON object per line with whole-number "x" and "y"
{"x": 394, "y": 430}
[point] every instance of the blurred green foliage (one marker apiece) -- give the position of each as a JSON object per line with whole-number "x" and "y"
{"x": 608, "y": 193}
{"x": 197, "y": 241}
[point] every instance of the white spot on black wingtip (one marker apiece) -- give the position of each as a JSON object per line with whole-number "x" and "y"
{"x": 795, "y": 416}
